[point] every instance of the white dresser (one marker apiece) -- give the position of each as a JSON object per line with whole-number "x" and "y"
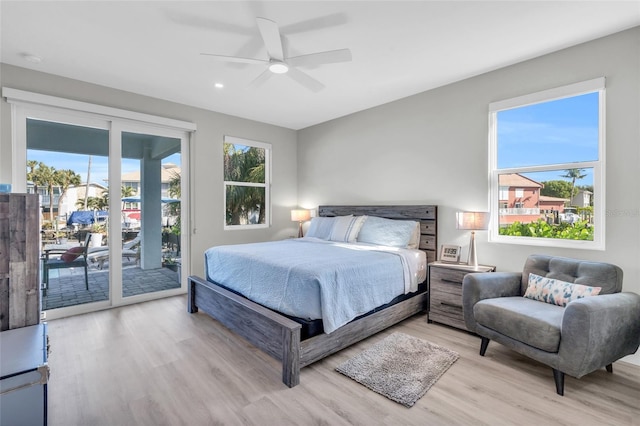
{"x": 24, "y": 374}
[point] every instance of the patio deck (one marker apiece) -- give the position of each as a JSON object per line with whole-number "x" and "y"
{"x": 67, "y": 287}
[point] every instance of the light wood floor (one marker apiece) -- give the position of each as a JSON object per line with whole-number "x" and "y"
{"x": 155, "y": 364}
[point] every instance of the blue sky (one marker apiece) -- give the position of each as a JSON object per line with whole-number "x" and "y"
{"x": 560, "y": 131}
{"x": 79, "y": 163}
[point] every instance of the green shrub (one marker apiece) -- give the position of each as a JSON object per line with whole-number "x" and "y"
{"x": 580, "y": 230}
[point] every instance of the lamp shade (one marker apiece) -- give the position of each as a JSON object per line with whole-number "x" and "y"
{"x": 472, "y": 221}
{"x": 300, "y": 215}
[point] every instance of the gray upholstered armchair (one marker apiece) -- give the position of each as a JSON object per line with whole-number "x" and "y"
{"x": 587, "y": 334}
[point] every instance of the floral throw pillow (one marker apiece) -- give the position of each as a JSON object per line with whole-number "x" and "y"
{"x": 557, "y": 292}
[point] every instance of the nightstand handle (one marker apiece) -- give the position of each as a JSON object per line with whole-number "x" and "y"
{"x": 451, "y": 305}
{"x": 450, "y": 281}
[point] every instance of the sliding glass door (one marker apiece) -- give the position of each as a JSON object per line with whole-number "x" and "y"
{"x": 67, "y": 166}
{"x": 151, "y": 224}
{"x": 114, "y": 203}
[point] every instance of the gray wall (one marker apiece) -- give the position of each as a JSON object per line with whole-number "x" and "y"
{"x": 207, "y": 187}
{"x": 433, "y": 148}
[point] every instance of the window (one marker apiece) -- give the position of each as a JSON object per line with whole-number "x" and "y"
{"x": 547, "y": 167}
{"x": 246, "y": 183}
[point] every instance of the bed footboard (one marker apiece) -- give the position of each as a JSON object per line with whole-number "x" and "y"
{"x": 274, "y": 334}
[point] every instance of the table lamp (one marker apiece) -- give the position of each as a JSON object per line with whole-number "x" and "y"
{"x": 472, "y": 221}
{"x": 300, "y": 215}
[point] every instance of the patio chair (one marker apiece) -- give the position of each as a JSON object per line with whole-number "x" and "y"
{"x": 101, "y": 254}
{"x": 74, "y": 257}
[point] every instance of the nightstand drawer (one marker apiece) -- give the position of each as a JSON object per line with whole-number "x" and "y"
{"x": 447, "y": 302}
{"x": 438, "y": 287}
{"x": 449, "y": 276}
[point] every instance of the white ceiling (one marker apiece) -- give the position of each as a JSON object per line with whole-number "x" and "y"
{"x": 398, "y": 48}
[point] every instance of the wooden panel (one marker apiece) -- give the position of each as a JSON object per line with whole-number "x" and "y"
{"x": 415, "y": 212}
{"x": 4, "y": 262}
{"x": 19, "y": 260}
{"x": 444, "y": 317}
{"x": 428, "y": 227}
{"x": 445, "y": 293}
{"x": 427, "y": 242}
{"x": 272, "y": 333}
{"x": 447, "y": 275}
{"x": 323, "y": 345}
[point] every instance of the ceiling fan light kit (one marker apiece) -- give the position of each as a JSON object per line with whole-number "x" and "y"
{"x": 278, "y": 64}
{"x": 278, "y": 67}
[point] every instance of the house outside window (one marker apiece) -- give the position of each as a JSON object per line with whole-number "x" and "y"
{"x": 547, "y": 165}
{"x": 247, "y": 174}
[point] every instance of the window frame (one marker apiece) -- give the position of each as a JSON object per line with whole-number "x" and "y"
{"x": 598, "y": 166}
{"x": 267, "y": 183}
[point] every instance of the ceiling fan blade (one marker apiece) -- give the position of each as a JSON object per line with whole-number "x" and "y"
{"x": 271, "y": 36}
{"x": 260, "y": 80}
{"x": 315, "y": 24}
{"x": 328, "y": 57}
{"x": 305, "y": 79}
{"x": 235, "y": 59}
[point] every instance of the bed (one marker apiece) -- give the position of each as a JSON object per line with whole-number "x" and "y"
{"x": 279, "y": 334}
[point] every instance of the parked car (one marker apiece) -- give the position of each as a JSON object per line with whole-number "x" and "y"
{"x": 569, "y": 216}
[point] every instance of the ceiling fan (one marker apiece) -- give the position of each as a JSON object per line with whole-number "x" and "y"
{"x": 278, "y": 64}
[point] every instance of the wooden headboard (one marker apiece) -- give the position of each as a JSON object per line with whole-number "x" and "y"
{"x": 427, "y": 215}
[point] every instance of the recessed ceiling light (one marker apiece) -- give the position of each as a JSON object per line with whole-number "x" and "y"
{"x": 218, "y": 85}
{"x": 32, "y": 58}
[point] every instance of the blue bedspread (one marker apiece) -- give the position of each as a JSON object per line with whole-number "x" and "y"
{"x": 312, "y": 279}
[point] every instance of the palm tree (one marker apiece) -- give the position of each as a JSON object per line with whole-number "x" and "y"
{"x": 42, "y": 175}
{"x": 244, "y": 164}
{"x": 175, "y": 192}
{"x": 65, "y": 179}
{"x": 31, "y": 171}
{"x": 574, "y": 174}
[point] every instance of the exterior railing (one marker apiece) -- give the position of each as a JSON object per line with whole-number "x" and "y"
{"x": 520, "y": 212}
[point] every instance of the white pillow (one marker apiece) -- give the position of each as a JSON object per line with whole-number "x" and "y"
{"x": 346, "y": 228}
{"x": 321, "y": 227}
{"x": 414, "y": 241}
{"x": 390, "y": 232}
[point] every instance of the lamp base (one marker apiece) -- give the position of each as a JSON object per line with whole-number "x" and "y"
{"x": 300, "y": 230}
{"x": 473, "y": 257}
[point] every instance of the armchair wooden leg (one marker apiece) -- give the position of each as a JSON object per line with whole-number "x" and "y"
{"x": 483, "y": 345}
{"x": 558, "y": 376}
{"x": 609, "y": 368}
{"x": 86, "y": 278}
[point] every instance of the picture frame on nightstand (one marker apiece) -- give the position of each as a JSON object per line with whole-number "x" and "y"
{"x": 450, "y": 253}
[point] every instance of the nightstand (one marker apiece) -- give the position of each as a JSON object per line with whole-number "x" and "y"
{"x": 445, "y": 291}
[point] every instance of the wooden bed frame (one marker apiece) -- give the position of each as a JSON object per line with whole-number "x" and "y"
{"x": 279, "y": 336}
